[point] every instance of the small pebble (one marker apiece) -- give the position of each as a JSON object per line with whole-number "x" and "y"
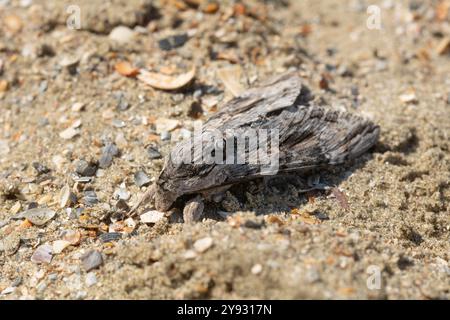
{"x": 201, "y": 245}
{"x": 71, "y": 236}
{"x": 109, "y": 152}
{"x": 91, "y": 279}
{"x": 110, "y": 236}
{"x": 91, "y": 260}
{"x": 77, "y": 106}
{"x": 122, "y": 193}
{"x": 10, "y": 244}
{"x": 256, "y": 269}
{"x": 121, "y": 205}
{"x": 153, "y": 153}
{"x": 190, "y": 254}
{"x": 69, "y": 133}
{"x": 141, "y": 179}
{"x": 85, "y": 169}
{"x": 118, "y": 123}
{"x": 173, "y": 42}
{"x": 152, "y": 216}
{"x": 52, "y": 277}
{"x": 43, "y": 254}
{"x": 90, "y": 197}
{"x": 43, "y": 86}
{"x": 165, "y": 135}
{"x": 40, "y": 288}
{"x": 122, "y": 34}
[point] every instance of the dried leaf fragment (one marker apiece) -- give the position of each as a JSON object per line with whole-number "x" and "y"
{"x": 164, "y": 82}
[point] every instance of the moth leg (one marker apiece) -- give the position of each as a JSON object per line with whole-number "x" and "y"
{"x": 147, "y": 196}
{"x": 193, "y": 210}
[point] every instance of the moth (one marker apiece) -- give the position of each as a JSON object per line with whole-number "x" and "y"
{"x": 307, "y": 137}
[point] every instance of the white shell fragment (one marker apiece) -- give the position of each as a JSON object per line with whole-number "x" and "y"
{"x": 59, "y": 246}
{"x": 152, "y": 216}
{"x": 37, "y": 216}
{"x": 164, "y": 82}
{"x": 43, "y": 254}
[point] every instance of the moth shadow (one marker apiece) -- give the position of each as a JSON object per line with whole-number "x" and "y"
{"x": 282, "y": 193}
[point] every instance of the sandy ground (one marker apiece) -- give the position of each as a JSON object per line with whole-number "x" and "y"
{"x": 394, "y": 220}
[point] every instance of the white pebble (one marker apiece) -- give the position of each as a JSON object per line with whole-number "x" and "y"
{"x": 201, "y": 245}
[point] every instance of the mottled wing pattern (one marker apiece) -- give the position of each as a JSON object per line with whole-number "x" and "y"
{"x": 309, "y": 136}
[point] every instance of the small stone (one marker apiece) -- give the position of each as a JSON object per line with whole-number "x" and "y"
{"x": 110, "y": 236}
{"x": 120, "y": 140}
{"x": 86, "y": 169}
{"x": 165, "y": 135}
{"x": 80, "y": 295}
{"x": 152, "y": 216}
{"x": 91, "y": 279}
{"x": 141, "y": 179}
{"x": 121, "y": 205}
{"x": 37, "y": 216}
{"x": 53, "y": 277}
{"x": 122, "y": 34}
{"x": 109, "y": 152}
{"x": 408, "y": 97}
{"x": 257, "y": 268}
{"x": 164, "y": 124}
{"x": 118, "y": 123}
{"x": 17, "y": 282}
{"x": 123, "y": 104}
{"x": 190, "y": 254}
{"x": 10, "y": 244}
{"x": 253, "y": 224}
{"x": 91, "y": 260}
{"x": 69, "y": 133}
{"x": 77, "y": 106}
{"x": 72, "y": 236}
{"x": 15, "y": 208}
{"x": 173, "y": 42}
{"x": 69, "y": 61}
{"x": 122, "y": 193}
{"x": 201, "y": 245}
{"x": 153, "y": 153}
{"x": 90, "y": 198}
{"x": 108, "y": 114}
{"x": 40, "y": 288}
{"x": 43, "y": 254}
{"x": 43, "y": 86}
{"x": 59, "y": 246}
